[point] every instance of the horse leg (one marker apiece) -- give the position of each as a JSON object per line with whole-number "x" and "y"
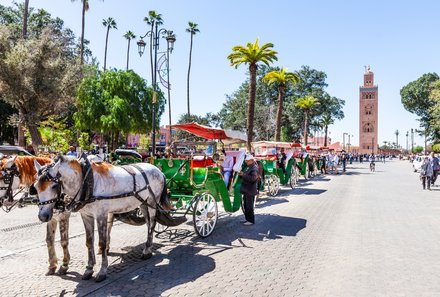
{"x": 89, "y": 225}
{"x": 64, "y": 234}
{"x": 150, "y": 220}
{"x": 102, "y": 231}
{"x": 110, "y": 220}
{"x": 50, "y": 239}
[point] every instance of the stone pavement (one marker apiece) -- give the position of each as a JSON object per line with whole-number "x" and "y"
{"x": 356, "y": 234}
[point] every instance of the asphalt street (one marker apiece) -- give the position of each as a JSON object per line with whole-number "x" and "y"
{"x": 353, "y": 234}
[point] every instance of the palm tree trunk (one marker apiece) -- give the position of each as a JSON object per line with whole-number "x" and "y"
{"x": 105, "y": 53}
{"x": 83, "y": 25}
{"x": 128, "y": 53}
{"x": 25, "y": 19}
{"x": 189, "y": 70}
{"x": 151, "y": 52}
{"x": 20, "y": 136}
{"x": 251, "y": 105}
{"x": 305, "y": 127}
{"x": 325, "y": 135}
{"x": 279, "y": 112}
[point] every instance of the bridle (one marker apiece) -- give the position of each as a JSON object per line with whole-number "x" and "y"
{"x": 44, "y": 175}
{"x": 7, "y": 177}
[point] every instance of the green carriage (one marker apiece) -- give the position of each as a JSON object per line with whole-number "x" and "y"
{"x": 274, "y": 175}
{"x": 194, "y": 179}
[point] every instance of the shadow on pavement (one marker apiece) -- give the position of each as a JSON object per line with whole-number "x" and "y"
{"x": 308, "y": 191}
{"x": 181, "y": 265}
{"x": 267, "y": 227}
{"x": 268, "y": 201}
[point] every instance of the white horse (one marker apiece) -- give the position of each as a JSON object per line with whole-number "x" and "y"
{"x": 19, "y": 172}
{"x": 116, "y": 189}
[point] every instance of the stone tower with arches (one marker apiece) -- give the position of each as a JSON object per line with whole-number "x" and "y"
{"x": 368, "y": 114}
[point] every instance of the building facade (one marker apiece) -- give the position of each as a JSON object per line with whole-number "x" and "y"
{"x": 368, "y": 114}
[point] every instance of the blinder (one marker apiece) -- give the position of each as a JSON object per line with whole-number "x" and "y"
{"x": 44, "y": 175}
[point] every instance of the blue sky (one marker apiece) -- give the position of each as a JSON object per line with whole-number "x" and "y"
{"x": 399, "y": 39}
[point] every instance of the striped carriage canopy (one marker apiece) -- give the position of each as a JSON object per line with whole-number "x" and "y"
{"x": 225, "y": 135}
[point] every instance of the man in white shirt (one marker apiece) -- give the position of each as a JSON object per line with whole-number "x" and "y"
{"x": 226, "y": 167}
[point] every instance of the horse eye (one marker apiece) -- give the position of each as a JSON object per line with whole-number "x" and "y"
{"x": 54, "y": 186}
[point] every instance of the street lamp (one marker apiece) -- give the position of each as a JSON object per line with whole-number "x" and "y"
{"x": 349, "y": 142}
{"x": 155, "y": 33}
{"x": 343, "y": 140}
{"x": 407, "y": 133}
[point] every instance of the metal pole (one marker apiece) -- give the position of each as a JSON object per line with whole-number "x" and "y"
{"x": 155, "y": 45}
{"x": 412, "y": 140}
{"x": 168, "y": 87}
{"x": 407, "y": 140}
{"x": 343, "y": 140}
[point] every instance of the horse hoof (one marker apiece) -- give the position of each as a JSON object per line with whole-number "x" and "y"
{"x": 100, "y": 277}
{"x": 63, "y": 270}
{"x": 51, "y": 271}
{"x": 87, "y": 274}
{"x": 146, "y": 256}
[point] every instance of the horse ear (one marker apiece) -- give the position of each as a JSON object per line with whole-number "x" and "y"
{"x": 37, "y": 165}
{"x": 10, "y": 162}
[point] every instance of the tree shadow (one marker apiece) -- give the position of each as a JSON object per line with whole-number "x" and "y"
{"x": 181, "y": 265}
{"x": 307, "y": 191}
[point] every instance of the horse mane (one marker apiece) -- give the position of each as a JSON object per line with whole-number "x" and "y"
{"x": 26, "y": 167}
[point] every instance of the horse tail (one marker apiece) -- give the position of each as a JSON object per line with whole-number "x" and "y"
{"x": 164, "y": 197}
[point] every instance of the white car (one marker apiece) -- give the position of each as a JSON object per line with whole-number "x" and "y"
{"x": 417, "y": 164}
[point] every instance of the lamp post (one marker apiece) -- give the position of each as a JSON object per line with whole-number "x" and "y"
{"x": 407, "y": 132}
{"x": 412, "y": 140}
{"x": 349, "y": 142}
{"x": 343, "y": 139}
{"x": 155, "y": 34}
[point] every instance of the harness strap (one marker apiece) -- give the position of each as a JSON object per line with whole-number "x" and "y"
{"x": 144, "y": 175}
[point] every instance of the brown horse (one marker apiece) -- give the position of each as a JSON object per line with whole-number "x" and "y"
{"x": 19, "y": 172}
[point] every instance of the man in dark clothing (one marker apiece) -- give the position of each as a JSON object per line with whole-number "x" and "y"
{"x": 249, "y": 188}
{"x": 281, "y": 160}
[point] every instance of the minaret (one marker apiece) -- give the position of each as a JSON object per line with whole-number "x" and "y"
{"x": 368, "y": 114}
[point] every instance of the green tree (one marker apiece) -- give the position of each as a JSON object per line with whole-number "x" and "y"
{"x": 417, "y": 149}
{"x": 38, "y": 76}
{"x": 306, "y": 104}
{"x": 280, "y": 78}
{"x": 193, "y": 30}
{"x": 153, "y": 19}
{"x": 129, "y": 36}
{"x": 116, "y": 101}
{"x": 434, "y": 96}
{"x": 109, "y": 23}
{"x": 416, "y": 98}
{"x": 251, "y": 55}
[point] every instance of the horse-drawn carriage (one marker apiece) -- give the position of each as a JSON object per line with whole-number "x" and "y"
{"x": 194, "y": 179}
{"x": 278, "y": 169}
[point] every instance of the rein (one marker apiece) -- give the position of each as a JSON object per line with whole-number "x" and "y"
{"x": 59, "y": 200}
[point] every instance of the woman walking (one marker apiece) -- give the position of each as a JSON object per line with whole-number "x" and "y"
{"x": 426, "y": 173}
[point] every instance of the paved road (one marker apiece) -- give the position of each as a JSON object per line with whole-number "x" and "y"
{"x": 357, "y": 234}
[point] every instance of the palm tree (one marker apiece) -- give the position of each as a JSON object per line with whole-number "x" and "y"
{"x": 281, "y": 78}
{"x": 153, "y": 19}
{"x": 85, "y": 7}
{"x": 306, "y": 104}
{"x": 326, "y": 121}
{"x": 129, "y": 36}
{"x": 192, "y": 29}
{"x": 252, "y": 54}
{"x": 110, "y": 23}
{"x": 25, "y": 19}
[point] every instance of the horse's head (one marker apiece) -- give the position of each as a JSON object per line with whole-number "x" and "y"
{"x": 65, "y": 173}
{"x": 9, "y": 180}
{"x": 47, "y": 186}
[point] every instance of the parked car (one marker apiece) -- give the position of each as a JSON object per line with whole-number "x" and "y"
{"x": 8, "y": 150}
{"x": 417, "y": 163}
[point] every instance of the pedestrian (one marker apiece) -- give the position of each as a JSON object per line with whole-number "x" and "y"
{"x": 426, "y": 173}
{"x": 249, "y": 188}
{"x": 335, "y": 163}
{"x": 226, "y": 167}
{"x": 281, "y": 160}
{"x": 72, "y": 152}
{"x": 435, "y": 167}
{"x": 344, "y": 160}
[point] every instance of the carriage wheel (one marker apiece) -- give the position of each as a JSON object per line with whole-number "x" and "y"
{"x": 205, "y": 214}
{"x": 273, "y": 185}
{"x": 293, "y": 177}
